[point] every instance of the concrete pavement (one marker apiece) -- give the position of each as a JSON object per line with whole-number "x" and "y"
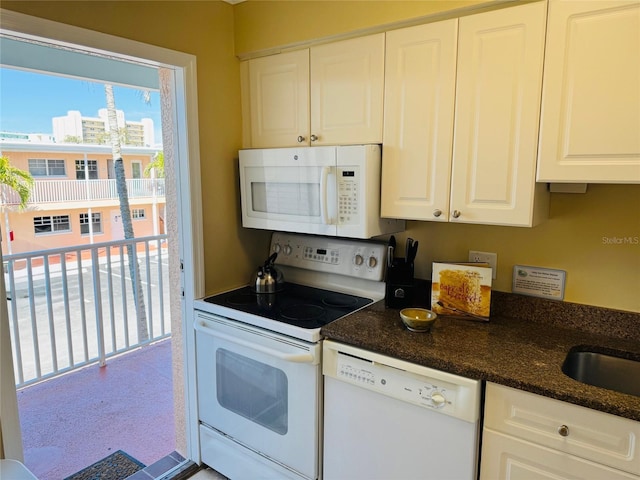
{"x": 73, "y": 420}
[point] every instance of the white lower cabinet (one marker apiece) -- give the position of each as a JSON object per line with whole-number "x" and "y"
{"x": 506, "y": 457}
{"x": 528, "y": 436}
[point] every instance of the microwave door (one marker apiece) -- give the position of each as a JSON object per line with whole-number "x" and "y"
{"x": 294, "y": 198}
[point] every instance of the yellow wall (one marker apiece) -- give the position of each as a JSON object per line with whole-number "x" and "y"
{"x": 264, "y": 24}
{"x": 203, "y": 29}
{"x": 580, "y": 237}
{"x": 572, "y": 239}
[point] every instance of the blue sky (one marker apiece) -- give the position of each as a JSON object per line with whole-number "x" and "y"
{"x": 28, "y": 101}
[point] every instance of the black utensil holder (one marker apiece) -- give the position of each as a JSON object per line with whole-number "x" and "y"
{"x": 400, "y": 286}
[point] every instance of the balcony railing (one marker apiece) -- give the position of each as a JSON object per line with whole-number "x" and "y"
{"x": 49, "y": 191}
{"x": 69, "y": 307}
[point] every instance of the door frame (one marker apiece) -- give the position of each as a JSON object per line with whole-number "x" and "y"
{"x": 188, "y": 189}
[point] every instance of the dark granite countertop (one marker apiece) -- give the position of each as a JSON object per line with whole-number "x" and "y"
{"x": 509, "y": 350}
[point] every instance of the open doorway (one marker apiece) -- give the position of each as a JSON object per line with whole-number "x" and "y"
{"x": 78, "y": 414}
{"x": 177, "y": 85}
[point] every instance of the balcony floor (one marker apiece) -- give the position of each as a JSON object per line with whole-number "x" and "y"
{"x": 74, "y": 420}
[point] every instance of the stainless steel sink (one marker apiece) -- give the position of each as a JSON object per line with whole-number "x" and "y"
{"x": 605, "y": 371}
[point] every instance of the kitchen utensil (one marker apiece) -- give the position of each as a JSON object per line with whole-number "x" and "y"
{"x": 407, "y": 248}
{"x": 418, "y": 319}
{"x": 413, "y": 251}
{"x": 391, "y": 249}
{"x": 453, "y": 309}
{"x": 268, "y": 279}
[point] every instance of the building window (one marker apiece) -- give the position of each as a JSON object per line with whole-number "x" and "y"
{"x": 92, "y": 169}
{"x": 96, "y": 223}
{"x": 51, "y": 224}
{"x": 136, "y": 169}
{"x": 41, "y": 167}
{"x": 138, "y": 213}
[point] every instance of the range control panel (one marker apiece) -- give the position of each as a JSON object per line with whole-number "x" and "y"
{"x": 354, "y": 258}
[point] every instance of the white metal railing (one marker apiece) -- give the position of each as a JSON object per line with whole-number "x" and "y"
{"x": 48, "y": 191}
{"x": 69, "y": 307}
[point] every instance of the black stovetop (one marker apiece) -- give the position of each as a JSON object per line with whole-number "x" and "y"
{"x": 299, "y": 305}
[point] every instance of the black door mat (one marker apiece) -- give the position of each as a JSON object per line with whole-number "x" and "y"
{"x": 117, "y": 466}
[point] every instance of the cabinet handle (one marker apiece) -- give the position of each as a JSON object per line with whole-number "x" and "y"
{"x": 314, "y": 138}
{"x": 456, "y": 213}
{"x": 563, "y": 430}
{"x": 437, "y": 213}
{"x": 301, "y": 139}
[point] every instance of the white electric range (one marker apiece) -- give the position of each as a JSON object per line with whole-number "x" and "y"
{"x": 259, "y": 356}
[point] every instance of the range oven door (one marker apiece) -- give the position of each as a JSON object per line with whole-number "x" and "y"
{"x": 261, "y": 390}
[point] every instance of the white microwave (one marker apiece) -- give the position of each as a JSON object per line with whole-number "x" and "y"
{"x": 325, "y": 190}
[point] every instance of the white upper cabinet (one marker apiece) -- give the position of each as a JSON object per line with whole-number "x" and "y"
{"x": 590, "y": 128}
{"x": 465, "y": 154}
{"x": 418, "y": 128}
{"x": 279, "y": 99}
{"x": 498, "y": 90}
{"x": 347, "y": 89}
{"x": 327, "y": 95}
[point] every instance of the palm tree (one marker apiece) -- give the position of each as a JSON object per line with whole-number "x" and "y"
{"x": 21, "y": 182}
{"x": 157, "y": 164}
{"x": 125, "y": 213}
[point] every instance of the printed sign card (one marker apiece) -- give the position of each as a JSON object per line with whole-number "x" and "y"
{"x": 461, "y": 290}
{"x": 539, "y": 282}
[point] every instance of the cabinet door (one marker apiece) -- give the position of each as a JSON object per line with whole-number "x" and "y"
{"x": 507, "y": 458}
{"x": 500, "y": 56}
{"x": 590, "y": 128}
{"x": 589, "y": 434}
{"x": 279, "y": 100}
{"x": 347, "y": 80}
{"x": 419, "y": 99}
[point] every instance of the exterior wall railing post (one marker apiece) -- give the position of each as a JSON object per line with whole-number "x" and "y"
{"x": 97, "y": 298}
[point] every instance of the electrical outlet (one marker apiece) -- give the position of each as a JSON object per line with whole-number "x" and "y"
{"x": 485, "y": 257}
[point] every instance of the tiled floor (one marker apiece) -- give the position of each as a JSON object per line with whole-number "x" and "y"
{"x": 208, "y": 474}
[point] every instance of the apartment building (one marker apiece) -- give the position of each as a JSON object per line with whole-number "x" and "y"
{"x": 74, "y": 200}
{"x": 73, "y": 127}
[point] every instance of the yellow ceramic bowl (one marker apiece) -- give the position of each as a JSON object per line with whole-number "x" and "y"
{"x": 418, "y": 319}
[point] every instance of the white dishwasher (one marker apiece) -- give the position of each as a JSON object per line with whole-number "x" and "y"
{"x": 385, "y": 419}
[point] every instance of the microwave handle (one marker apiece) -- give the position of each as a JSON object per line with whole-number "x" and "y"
{"x": 203, "y": 327}
{"x": 324, "y": 195}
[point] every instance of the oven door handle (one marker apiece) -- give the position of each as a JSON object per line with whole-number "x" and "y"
{"x": 308, "y": 357}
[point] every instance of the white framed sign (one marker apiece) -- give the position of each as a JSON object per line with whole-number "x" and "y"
{"x": 539, "y": 282}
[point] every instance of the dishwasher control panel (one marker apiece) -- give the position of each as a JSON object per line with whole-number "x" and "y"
{"x": 428, "y": 388}
{"x": 423, "y": 391}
